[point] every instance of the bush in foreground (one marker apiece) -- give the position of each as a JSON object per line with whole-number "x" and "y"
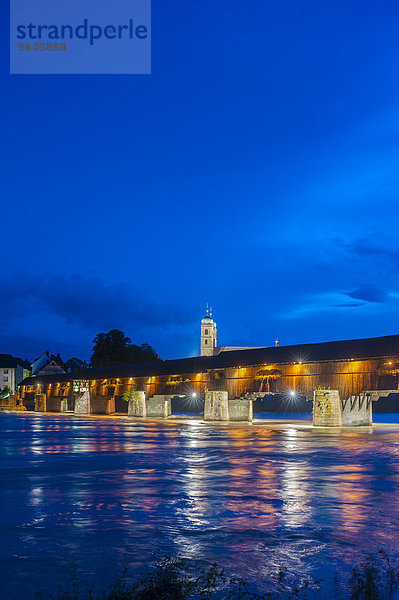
{"x": 175, "y": 578}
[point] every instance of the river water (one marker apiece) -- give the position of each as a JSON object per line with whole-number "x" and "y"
{"x": 101, "y": 492}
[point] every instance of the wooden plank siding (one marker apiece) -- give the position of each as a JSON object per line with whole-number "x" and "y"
{"x": 349, "y": 366}
{"x": 348, "y": 377}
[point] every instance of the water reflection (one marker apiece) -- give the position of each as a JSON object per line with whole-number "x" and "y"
{"x": 105, "y": 491}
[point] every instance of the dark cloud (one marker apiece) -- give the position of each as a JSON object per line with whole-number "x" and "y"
{"x": 30, "y": 346}
{"x": 365, "y": 248}
{"x": 86, "y": 301}
{"x": 370, "y": 293}
{"x": 348, "y": 305}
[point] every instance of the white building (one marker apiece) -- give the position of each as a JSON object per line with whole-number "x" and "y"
{"x": 12, "y": 372}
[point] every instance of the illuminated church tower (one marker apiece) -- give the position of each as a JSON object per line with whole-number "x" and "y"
{"x": 208, "y": 334}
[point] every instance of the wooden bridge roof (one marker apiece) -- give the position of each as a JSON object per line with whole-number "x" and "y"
{"x": 379, "y": 347}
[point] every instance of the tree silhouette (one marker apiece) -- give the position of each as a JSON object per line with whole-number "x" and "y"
{"x": 115, "y": 348}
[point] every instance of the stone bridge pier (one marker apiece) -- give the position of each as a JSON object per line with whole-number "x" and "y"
{"x": 137, "y": 407}
{"x": 216, "y": 407}
{"x": 356, "y": 411}
{"x": 103, "y": 405}
{"x": 159, "y": 406}
{"x": 219, "y": 408}
{"x": 57, "y": 404}
{"x": 241, "y": 409}
{"x": 327, "y": 411}
{"x": 40, "y": 403}
{"x": 83, "y": 404}
{"x": 87, "y": 404}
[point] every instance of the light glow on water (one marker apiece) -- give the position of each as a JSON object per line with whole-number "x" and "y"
{"x": 103, "y": 491}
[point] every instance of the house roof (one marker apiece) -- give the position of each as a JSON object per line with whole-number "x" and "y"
{"x": 380, "y": 347}
{"x": 46, "y": 353}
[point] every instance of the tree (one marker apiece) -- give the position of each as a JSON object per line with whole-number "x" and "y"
{"x": 5, "y": 392}
{"x": 115, "y": 348}
{"x": 57, "y": 358}
{"x": 142, "y": 353}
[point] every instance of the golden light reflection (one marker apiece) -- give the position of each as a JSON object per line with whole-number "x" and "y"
{"x": 253, "y": 509}
{"x": 352, "y": 493}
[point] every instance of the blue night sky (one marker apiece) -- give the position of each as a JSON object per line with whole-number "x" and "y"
{"x": 256, "y": 169}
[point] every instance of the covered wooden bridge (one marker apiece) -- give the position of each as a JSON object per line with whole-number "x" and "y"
{"x": 349, "y": 366}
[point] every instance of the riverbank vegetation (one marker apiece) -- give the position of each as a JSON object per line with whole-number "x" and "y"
{"x": 174, "y": 578}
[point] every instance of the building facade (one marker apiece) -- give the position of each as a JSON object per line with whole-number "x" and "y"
{"x": 12, "y": 372}
{"x": 45, "y": 365}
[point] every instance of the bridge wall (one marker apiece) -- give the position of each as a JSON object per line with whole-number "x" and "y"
{"x": 349, "y": 377}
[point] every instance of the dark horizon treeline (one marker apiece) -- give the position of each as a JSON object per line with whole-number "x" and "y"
{"x": 112, "y": 348}
{"x": 115, "y": 348}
